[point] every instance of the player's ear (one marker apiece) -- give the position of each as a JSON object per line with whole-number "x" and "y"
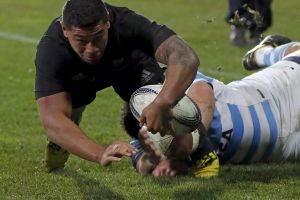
{"x": 64, "y": 28}
{"x": 107, "y": 24}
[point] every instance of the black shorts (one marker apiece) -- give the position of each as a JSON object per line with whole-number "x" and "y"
{"x": 139, "y": 71}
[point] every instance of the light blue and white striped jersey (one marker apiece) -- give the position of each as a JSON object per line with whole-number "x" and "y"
{"x": 254, "y": 117}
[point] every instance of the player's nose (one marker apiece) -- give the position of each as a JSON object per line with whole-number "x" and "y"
{"x": 91, "y": 48}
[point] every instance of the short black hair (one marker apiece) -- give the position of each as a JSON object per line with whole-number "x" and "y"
{"x": 84, "y": 13}
{"x": 129, "y": 123}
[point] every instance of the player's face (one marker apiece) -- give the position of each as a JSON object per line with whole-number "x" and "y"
{"x": 88, "y": 42}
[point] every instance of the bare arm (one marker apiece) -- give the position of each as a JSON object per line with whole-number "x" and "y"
{"x": 182, "y": 64}
{"x": 55, "y": 113}
{"x": 203, "y": 95}
{"x": 293, "y": 50}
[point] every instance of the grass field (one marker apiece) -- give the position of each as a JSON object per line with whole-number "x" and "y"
{"x": 22, "y": 138}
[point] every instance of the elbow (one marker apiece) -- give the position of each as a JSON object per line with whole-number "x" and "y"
{"x": 196, "y": 62}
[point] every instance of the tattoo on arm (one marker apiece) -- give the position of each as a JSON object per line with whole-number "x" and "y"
{"x": 175, "y": 51}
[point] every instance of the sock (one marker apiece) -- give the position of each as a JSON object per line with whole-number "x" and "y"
{"x": 267, "y": 56}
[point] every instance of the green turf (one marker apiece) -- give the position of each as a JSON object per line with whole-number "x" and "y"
{"x": 22, "y": 138}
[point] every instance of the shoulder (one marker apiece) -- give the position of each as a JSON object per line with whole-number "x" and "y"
{"x": 134, "y": 30}
{"x": 53, "y": 40}
{"x": 124, "y": 17}
{"x": 54, "y": 31}
{"x": 53, "y": 48}
{"x": 117, "y": 14}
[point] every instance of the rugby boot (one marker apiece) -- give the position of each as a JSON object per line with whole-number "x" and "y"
{"x": 55, "y": 157}
{"x": 207, "y": 166}
{"x": 249, "y": 60}
{"x": 204, "y": 158}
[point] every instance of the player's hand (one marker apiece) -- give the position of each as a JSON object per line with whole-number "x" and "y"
{"x": 151, "y": 156}
{"x": 115, "y": 151}
{"x": 164, "y": 168}
{"x": 157, "y": 116}
{"x": 152, "y": 152}
{"x": 154, "y": 161}
{"x": 169, "y": 168}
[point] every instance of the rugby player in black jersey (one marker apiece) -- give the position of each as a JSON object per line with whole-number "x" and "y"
{"x": 92, "y": 46}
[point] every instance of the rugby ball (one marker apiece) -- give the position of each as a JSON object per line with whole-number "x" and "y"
{"x": 186, "y": 114}
{"x": 162, "y": 143}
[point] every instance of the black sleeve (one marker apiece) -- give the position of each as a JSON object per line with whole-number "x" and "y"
{"x": 49, "y": 68}
{"x": 136, "y": 31}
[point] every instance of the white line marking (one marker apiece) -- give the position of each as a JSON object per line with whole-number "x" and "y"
{"x": 18, "y": 37}
{"x": 33, "y": 40}
{"x": 234, "y": 76}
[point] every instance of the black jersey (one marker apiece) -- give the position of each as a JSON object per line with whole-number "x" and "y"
{"x": 132, "y": 38}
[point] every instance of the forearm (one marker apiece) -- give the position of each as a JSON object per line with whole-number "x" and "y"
{"x": 65, "y": 133}
{"x": 182, "y": 64}
{"x": 178, "y": 79}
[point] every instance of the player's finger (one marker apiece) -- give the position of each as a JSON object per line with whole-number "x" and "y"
{"x": 165, "y": 172}
{"x": 142, "y": 120}
{"x": 156, "y": 172}
{"x": 173, "y": 173}
{"x": 124, "y": 150}
{"x": 144, "y": 137}
{"x": 107, "y": 160}
{"x": 153, "y": 127}
{"x": 131, "y": 149}
{"x": 144, "y": 131}
{"x": 115, "y": 148}
{"x": 113, "y": 159}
